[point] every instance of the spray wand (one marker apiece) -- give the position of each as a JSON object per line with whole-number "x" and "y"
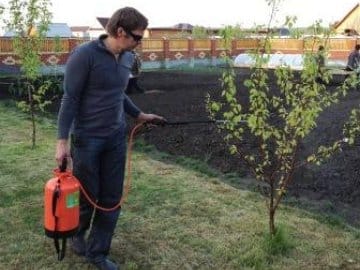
{"x": 188, "y": 122}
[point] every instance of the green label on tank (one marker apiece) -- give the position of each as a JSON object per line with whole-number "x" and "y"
{"x": 72, "y": 200}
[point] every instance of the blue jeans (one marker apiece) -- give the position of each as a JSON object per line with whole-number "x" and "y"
{"x": 99, "y": 164}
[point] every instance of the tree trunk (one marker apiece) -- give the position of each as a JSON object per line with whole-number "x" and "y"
{"x": 272, "y": 210}
{"x": 32, "y": 111}
{"x": 272, "y": 221}
{"x": 33, "y": 128}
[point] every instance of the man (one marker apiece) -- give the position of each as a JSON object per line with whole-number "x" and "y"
{"x": 93, "y": 107}
{"x": 320, "y": 62}
{"x": 320, "y": 57}
{"x": 354, "y": 59}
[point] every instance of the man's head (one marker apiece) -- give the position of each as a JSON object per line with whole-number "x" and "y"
{"x": 357, "y": 47}
{"x": 127, "y": 23}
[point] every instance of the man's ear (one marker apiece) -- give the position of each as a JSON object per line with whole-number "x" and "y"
{"x": 120, "y": 31}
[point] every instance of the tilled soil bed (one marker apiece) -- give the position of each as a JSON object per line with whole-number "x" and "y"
{"x": 333, "y": 187}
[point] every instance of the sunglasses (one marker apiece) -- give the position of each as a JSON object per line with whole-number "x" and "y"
{"x": 136, "y": 38}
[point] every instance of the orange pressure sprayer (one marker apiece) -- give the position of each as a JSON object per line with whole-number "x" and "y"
{"x": 61, "y": 207}
{"x": 61, "y": 201}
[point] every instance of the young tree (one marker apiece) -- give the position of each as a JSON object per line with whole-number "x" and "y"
{"x": 29, "y": 20}
{"x": 274, "y": 119}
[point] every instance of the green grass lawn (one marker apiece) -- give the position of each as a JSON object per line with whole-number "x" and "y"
{"x": 175, "y": 217}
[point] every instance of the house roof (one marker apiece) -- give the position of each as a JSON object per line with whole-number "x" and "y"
{"x": 346, "y": 16}
{"x": 184, "y": 26}
{"x": 79, "y": 28}
{"x": 59, "y": 30}
{"x": 180, "y": 26}
{"x": 55, "y": 30}
{"x": 103, "y": 21}
{"x": 96, "y": 29}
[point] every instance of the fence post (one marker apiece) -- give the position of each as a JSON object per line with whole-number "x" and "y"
{"x": 70, "y": 47}
{"x": 233, "y": 48}
{"x": 139, "y": 49}
{"x": 303, "y": 46}
{"x": 72, "y": 44}
{"x": 166, "y": 51}
{"x": 191, "y": 52}
{"x": 213, "y": 51}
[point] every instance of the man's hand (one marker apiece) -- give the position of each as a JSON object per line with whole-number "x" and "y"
{"x": 148, "y": 117}
{"x": 62, "y": 151}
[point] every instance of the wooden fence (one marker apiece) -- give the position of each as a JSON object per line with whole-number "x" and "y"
{"x": 56, "y": 52}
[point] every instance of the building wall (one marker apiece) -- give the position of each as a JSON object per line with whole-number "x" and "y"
{"x": 168, "y": 33}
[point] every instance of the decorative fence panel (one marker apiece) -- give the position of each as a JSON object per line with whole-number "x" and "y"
{"x": 178, "y": 45}
{"x": 6, "y": 45}
{"x": 153, "y": 45}
{"x": 161, "y": 50}
{"x": 202, "y": 44}
{"x": 287, "y": 45}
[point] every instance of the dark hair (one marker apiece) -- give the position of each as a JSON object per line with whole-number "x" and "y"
{"x": 357, "y": 47}
{"x": 128, "y": 18}
{"x": 321, "y": 48}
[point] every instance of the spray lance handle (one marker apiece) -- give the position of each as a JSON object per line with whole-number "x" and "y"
{"x": 159, "y": 122}
{"x": 63, "y": 165}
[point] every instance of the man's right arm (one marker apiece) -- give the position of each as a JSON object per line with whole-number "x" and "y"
{"x": 76, "y": 72}
{"x": 62, "y": 150}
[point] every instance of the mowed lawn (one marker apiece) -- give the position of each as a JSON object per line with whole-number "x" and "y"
{"x": 175, "y": 217}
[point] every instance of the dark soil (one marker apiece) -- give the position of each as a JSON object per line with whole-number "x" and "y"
{"x": 332, "y": 188}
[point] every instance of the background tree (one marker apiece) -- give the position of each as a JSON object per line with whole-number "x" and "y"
{"x": 294, "y": 32}
{"x": 199, "y": 32}
{"x": 274, "y": 120}
{"x": 29, "y": 21}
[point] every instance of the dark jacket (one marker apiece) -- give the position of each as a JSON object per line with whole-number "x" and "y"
{"x": 94, "y": 101}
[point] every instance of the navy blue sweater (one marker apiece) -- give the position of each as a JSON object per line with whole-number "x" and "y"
{"x": 94, "y": 101}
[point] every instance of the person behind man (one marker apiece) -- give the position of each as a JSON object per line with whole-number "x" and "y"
{"x": 320, "y": 63}
{"x": 134, "y": 75}
{"x": 320, "y": 57}
{"x": 93, "y": 110}
{"x": 353, "y": 59}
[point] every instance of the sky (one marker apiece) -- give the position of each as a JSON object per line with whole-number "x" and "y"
{"x": 208, "y": 13}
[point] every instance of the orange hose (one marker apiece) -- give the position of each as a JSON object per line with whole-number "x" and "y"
{"x": 128, "y": 177}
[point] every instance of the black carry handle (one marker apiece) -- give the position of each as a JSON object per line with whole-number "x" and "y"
{"x": 60, "y": 251}
{"x": 63, "y": 165}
